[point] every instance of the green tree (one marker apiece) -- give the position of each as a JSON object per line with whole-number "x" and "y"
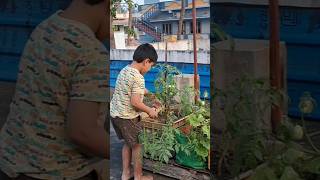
{"x": 115, "y": 4}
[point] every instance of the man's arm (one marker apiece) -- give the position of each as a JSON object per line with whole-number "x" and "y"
{"x": 86, "y": 126}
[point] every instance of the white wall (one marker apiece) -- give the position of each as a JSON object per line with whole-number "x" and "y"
{"x": 119, "y": 38}
{"x": 173, "y": 56}
{"x": 184, "y": 45}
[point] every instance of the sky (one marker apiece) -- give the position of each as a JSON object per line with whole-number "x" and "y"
{"x": 138, "y": 1}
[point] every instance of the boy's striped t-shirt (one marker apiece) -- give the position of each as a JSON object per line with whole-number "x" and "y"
{"x": 62, "y": 61}
{"x": 129, "y": 81}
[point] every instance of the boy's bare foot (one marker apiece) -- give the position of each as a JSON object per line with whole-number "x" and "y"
{"x": 147, "y": 178}
{"x": 144, "y": 178}
{"x": 127, "y": 176}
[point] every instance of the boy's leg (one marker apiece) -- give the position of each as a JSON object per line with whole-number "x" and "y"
{"x": 137, "y": 163}
{"x": 126, "y": 162}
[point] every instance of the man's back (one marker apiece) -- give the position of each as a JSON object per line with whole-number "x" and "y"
{"x": 62, "y": 61}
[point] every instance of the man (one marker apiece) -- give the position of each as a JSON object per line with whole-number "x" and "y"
{"x": 55, "y": 128}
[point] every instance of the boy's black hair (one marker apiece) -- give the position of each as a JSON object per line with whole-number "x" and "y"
{"x": 93, "y": 2}
{"x": 145, "y": 51}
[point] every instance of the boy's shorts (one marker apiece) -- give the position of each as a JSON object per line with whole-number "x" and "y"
{"x": 127, "y": 129}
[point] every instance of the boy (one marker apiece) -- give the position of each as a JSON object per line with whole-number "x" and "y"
{"x": 55, "y": 126}
{"x": 126, "y": 105}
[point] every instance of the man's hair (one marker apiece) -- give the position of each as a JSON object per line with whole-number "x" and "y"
{"x": 145, "y": 51}
{"x": 93, "y": 2}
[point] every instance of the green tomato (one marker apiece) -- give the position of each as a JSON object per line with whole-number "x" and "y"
{"x": 307, "y": 103}
{"x": 202, "y": 103}
{"x": 297, "y": 133}
{"x": 205, "y": 94}
{"x": 306, "y": 106}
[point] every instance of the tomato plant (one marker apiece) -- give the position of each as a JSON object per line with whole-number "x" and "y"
{"x": 162, "y": 145}
{"x": 248, "y": 145}
{"x": 165, "y": 86}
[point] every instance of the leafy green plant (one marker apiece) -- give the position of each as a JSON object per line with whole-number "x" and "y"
{"x": 246, "y": 145}
{"x": 243, "y": 106}
{"x": 131, "y": 32}
{"x": 158, "y": 145}
{"x": 186, "y": 101}
{"x": 289, "y": 160}
{"x": 165, "y": 86}
{"x": 115, "y": 4}
{"x": 199, "y": 137}
{"x": 161, "y": 145}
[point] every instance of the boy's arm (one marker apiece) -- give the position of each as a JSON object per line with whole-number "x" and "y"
{"x": 146, "y": 91}
{"x": 85, "y": 126}
{"x": 157, "y": 102}
{"x": 137, "y": 103}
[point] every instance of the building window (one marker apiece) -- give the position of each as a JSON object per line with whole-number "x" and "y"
{"x": 116, "y": 28}
{"x": 184, "y": 28}
{"x": 198, "y": 27}
{"x": 126, "y": 29}
{"x": 166, "y": 29}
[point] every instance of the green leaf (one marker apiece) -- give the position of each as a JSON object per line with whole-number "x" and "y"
{"x": 187, "y": 151}
{"x": 205, "y": 143}
{"x": 290, "y": 174}
{"x": 194, "y": 120}
{"x": 263, "y": 173}
{"x": 206, "y": 130}
{"x": 292, "y": 155}
{"x": 312, "y": 166}
{"x": 168, "y": 153}
{"x": 201, "y": 151}
{"x": 258, "y": 154}
{"x": 166, "y": 159}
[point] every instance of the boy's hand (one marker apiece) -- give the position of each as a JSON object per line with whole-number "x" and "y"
{"x": 153, "y": 113}
{"x": 157, "y": 104}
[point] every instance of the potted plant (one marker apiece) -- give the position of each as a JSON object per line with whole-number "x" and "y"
{"x": 164, "y": 141}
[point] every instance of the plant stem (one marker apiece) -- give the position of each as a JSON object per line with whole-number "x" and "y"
{"x": 222, "y": 158}
{"x": 307, "y": 135}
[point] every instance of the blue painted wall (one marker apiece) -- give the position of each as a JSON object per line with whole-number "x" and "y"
{"x": 17, "y": 21}
{"x": 300, "y": 29}
{"x": 204, "y": 72}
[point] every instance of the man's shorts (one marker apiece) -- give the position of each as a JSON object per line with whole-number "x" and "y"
{"x": 127, "y": 129}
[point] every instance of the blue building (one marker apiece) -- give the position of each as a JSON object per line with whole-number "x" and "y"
{"x": 162, "y": 18}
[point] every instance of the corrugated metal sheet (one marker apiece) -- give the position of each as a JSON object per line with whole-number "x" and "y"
{"x": 300, "y": 29}
{"x": 187, "y": 68}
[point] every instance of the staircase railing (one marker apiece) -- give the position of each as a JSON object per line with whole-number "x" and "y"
{"x": 147, "y": 28}
{"x": 143, "y": 24}
{"x": 151, "y": 11}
